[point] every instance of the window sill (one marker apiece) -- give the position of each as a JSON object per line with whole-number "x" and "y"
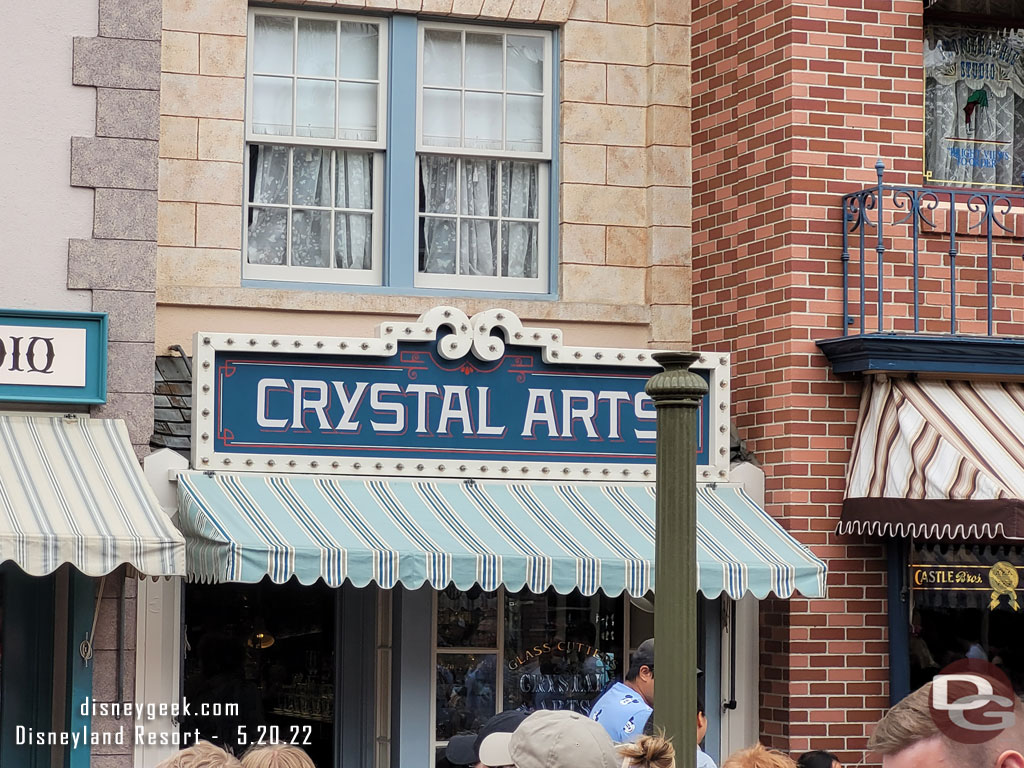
{"x": 258, "y": 294}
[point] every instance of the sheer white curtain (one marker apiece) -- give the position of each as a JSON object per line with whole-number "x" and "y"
{"x": 309, "y": 204}
{"x": 974, "y": 105}
{"x": 491, "y": 192}
{"x": 353, "y": 232}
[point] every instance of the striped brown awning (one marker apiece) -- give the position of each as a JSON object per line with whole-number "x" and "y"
{"x": 938, "y": 460}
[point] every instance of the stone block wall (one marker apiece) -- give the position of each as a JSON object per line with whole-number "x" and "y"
{"x": 625, "y": 164}
{"x": 118, "y": 266}
{"x": 793, "y": 102}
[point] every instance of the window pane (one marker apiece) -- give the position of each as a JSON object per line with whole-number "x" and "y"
{"x": 352, "y": 240}
{"x": 523, "y": 123}
{"x": 518, "y": 249}
{"x": 437, "y": 246}
{"x": 483, "y": 120}
{"x": 358, "y": 51}
{"x": 272, "y": 46}
{"x": 318, "y": 45}
{"x": 269, "y": 650}
{"x": 354, "y": 183}
{"x": 479, "y": 188}
{"x": 560, "y": 650}
{"x": 519, "y": 190}
{"x": 478, "y": 247}
{"x": 466, "y": 685}
{"x": 467, "y": 619}
{"x": 268, "y": 235}
{"x": 442, "y": 115}
{"x": 311, "y": 238}
{"x": 525, "y": 64}
{"x": 357, "y": 111}
{"x": 438, "y": 184}
{"x": 272, "y": 105}
{"x": 268, "y": 172}
{"x": 314, "y": 113}
{"x": 483, "y": 61}
{"x": 311, "y": 177}
{"x": 442, "y": 57}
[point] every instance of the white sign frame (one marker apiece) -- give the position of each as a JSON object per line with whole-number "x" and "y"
{"x": 468, "y": 336}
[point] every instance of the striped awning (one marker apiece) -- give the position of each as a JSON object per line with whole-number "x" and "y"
{"x": 242, "y": 527}
{"x": 937, "y": 459}
{"x": 72, "y": 491}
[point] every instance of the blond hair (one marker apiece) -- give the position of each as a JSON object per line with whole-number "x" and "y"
{"x": 650, "y": 752}
{"x": 910, "y": 721}
{"x": 907, "y": 723}
{"x": 758, "y": 756}
{"x": 276, "y": 756}
{"x": 202, "y": 754}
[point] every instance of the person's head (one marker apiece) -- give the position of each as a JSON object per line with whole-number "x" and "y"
{"x": 649, "y": 752}
{"x": 909, "y": 737}
{"x": 202, "y": 754}
{"x": 640, "y": 674}
{"x": 818, "y": 759}
{"x": 276, "y": 756}
{"x": 702, "y": 720}
{"x": 464, "y": 749}
{"x": 552, "y": 739}
{"x": 758, "y": 756}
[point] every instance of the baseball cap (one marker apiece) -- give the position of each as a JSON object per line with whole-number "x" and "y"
{"x": 643, "y": 656}
{"x": 555, "y": 739}
{"x": 464, "y": 748}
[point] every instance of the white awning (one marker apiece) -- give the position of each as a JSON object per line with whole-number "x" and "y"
{"x": 72, "y": 491}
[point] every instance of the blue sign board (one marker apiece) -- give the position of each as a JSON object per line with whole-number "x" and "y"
{"x": 416, "y": 404}
{"x": 53, "y": 357}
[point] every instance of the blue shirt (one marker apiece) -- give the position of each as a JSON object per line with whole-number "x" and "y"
{"x": 704, "y": 760}
{"x": 623, "y": 713}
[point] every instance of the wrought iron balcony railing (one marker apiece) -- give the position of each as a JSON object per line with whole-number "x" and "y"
{"x": 933, "y": 260}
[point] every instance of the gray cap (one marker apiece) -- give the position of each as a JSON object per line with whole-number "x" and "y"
{"x": 561, "y": 739}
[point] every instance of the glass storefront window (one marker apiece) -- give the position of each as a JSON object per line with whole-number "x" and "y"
{"x": 554, "y": 652}
{"x": 560, "y": 650}
{"x": 264, "y": 656}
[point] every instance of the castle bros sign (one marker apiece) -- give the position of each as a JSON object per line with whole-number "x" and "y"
{"x": 447, "y": 395}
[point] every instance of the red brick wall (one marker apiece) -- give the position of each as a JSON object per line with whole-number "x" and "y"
{"x": 793, "y": 102}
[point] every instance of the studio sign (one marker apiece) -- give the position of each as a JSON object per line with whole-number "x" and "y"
{"x": 42, "y": 356}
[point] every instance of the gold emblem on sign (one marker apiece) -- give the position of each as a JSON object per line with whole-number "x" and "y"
{"x": 1003, "y": 579}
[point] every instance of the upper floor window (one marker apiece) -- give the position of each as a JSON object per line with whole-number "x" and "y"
{"x": 484, "y": 145}
{"x": 974, "y": 105}
{"x": 315, "y": 129}
{"x": 319, "y": 188}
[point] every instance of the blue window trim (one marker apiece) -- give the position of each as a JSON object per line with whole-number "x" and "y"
{"x": 400, "y": 203}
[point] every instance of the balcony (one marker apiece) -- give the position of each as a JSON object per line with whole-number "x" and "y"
{"x": 933, "y": 281}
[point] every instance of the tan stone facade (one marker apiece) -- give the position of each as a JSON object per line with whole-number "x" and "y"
{"x": 624, "y": 176}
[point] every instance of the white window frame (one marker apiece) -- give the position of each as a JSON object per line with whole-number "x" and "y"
{"x": 543, "y": 158}
{"x": 331, "y": 274}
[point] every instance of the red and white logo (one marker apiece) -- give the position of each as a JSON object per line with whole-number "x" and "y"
{"x": 972, "y": 701}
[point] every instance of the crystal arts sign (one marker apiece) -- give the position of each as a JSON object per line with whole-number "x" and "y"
{"x": 445, "y": 396}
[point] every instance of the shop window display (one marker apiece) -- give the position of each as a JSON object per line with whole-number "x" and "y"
{"x": 553, "y": 652}
{"x": 264, "y": 656}
{"x": 965, "y": 603}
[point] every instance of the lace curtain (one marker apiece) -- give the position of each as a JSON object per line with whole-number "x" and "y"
{"x": 311, "y": 243}
{"x": 490, "y": 246}
{"x": 974, "y": 105}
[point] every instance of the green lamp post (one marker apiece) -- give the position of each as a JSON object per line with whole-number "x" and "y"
{"x": 677, "y": 392}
